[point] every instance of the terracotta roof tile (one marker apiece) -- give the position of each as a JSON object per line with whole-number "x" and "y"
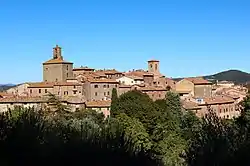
{"x": 23, "y": 100}
{"x": 57, "y": 61}
{"x": 67, "y": 84}
{"x": 135, "y": 77}
{"x": 98, "y": 104}
{"x": 218, "y": 100}
{"x": 41, "y": 85}
{"x": 85, "y": 68}
{"x": 189, "y": 105}
{"x": 198, "y": 80}
{"x": 103, "y": 81}
{"x": 151, "y": 88}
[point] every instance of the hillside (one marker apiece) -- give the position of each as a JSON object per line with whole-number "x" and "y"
{"x": 4, "y": 87}
{"x": 236, "y": 76}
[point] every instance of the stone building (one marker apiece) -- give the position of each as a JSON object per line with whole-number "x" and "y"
{"x": 82, "y": 70}
{"x": 40, "y": 89}
{"x": 38, "y": 102}
{"x": 19, "y": 90}
{"x": 102, "y": 106}
{"x": 99, "y": 89}
{"x": 56, "y": 69}
{"x": 196, "y": 87}
{"x": 223, "y": 106}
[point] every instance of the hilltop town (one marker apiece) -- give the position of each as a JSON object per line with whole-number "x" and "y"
{"x": 85, "y": 87}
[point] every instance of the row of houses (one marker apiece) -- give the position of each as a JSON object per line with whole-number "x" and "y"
{"x": 94, "y": 87}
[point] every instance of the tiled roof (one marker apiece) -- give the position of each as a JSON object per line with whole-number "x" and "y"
{"x": 85, "y": 68}
{"x": 57, "y": 61}
{"x": 23, "y": 100}
{"x": 103, "y": 81}
{"x": 41, "y": 85}
{"x": 98, "y": 104}
{"x": 153, "y": 60}
{"x": 151, "y": 88}
{"x": 189, "y": 105}
{"x": 4, "y": 94}
{"x": 67, "y": 84}
{"x": 125, "y": 86}
{"x": 198, "y": 80}
{"x": 135, "y": 77}
{"x": 52, "y": 84}
{"x": 218, "y": 100}
{"x": 136, "y": 73}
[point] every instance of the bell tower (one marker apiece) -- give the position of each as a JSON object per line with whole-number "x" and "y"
{"x": 57, "y": 52}
{"x": 154, "y": 66}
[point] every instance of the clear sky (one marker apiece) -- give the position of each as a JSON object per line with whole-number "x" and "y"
{"x": 189, "y": 37}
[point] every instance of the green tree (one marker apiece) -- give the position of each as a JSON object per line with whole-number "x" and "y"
{"x": 136, "y": 104}
{"x": 114, "y": 99}
{"x": 57, "y": 105}
{"x": 135, "y": 131}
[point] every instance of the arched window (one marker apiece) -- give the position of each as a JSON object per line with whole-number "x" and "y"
{"x": 156, "y": 67}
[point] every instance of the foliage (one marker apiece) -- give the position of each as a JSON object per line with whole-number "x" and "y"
{"x": 114, "y": 102}
{"x": 135, "y": 131}
{"x": 32, "y": 140}
{"x": 138, "y": 105}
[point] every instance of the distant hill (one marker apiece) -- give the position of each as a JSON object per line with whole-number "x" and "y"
{"x": 4, "y": 87}
{"x": 236, "y": 76}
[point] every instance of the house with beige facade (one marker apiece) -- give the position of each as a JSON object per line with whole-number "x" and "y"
{"x": 102, "y": 106}
{"x": 130, "y": 80}
{"x": 195, "y": 86}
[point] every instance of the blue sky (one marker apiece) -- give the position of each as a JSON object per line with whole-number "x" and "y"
{"x": 189, "y": 37}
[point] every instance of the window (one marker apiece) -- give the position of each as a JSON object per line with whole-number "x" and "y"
{"x": 74, "y": 87}
{"x": 67, "y": 74}
{"x": 96, "y": 86}
{"x": 116, "y": 86}
{"x": 65, "y": 92}
{"x": 107, "y": 86}
{"x": 159, "y": 95}
{"x": 74, "y": 92}
{"x": 67, "y": 67}
{"x": 227, "y": 116}
{"x": 46, "y": 91}
{"x": 108, "y": 108}
{"x": 56, "y": 79}
{"x": 108, "y": 93}
{"x": 151, "y": 66}
{"x": 104, "y": 86}
{"x": 40, "y": 91}
{"x": 31, "y": 91}
{"x": 80, "y": 92}
{"x": 156, "y": 67}
{"x": 132, "y": 82}
{"x": 104, "y": 93}
{"x": 158, "y": 82}
{"x": 96, "y": 94}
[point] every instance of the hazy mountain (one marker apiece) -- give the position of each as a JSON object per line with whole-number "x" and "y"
{"x": 236, "y": 76}
{"x": 4, "y": 87}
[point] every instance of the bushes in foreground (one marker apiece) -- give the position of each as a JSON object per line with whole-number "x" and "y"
{"x": 32, "y": 139}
